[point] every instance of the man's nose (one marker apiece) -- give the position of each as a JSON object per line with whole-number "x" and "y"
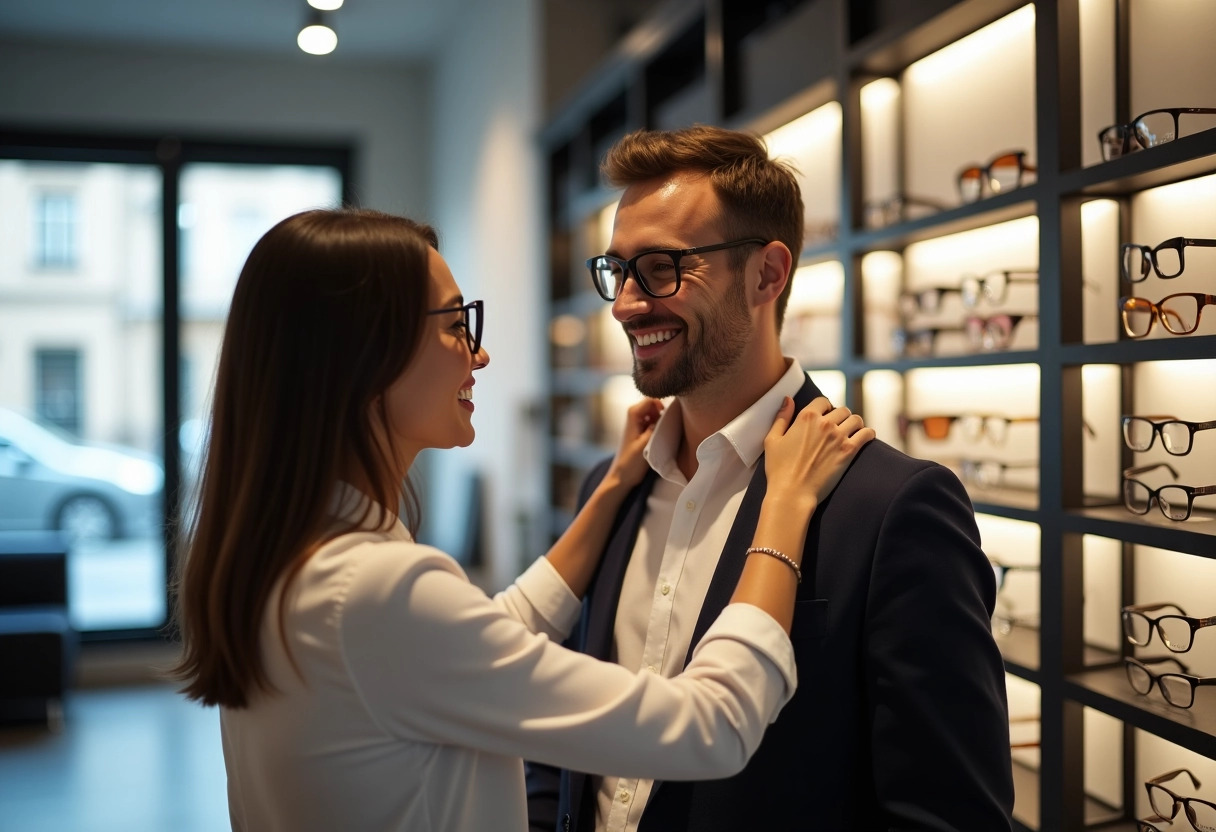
{"x": 631, "y": 300}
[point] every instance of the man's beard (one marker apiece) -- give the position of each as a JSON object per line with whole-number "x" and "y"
{"x": 723, "y": 333}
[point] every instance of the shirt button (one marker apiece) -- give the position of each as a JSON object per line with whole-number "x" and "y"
{"x": 652, "y": 668}
{"x": 665, "y": 589}
{"x": 623, "y": 796}
{"x": 690, "y": 505}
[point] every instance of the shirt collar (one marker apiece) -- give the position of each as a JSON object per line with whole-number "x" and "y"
{"x": 745, "y": 433}
{"x": 348, "y": 506}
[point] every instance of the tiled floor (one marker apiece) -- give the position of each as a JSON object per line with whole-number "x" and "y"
{"x": 129, "y": 759}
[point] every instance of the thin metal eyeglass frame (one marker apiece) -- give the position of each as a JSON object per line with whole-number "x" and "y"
{"x": 629, "y": 267}
{"x": 472, "y": 323}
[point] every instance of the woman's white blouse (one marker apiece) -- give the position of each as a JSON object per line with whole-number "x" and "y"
{"x": 418, "y": 696}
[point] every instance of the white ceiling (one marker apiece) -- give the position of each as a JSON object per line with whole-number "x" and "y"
{"x": 404, "y": 30}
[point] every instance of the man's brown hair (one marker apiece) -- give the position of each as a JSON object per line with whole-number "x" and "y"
{"x": 760, "y": 196}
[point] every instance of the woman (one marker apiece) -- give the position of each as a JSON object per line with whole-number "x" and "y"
{"x": 364, "y": 683}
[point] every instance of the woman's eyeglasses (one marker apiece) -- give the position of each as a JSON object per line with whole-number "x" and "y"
{"x": 1146, "y": 130}
{"x": 1003, "y": 173}
{"x": 472, "y": 312}
{"x": 1178, "y": 689}
{"x": 1166, "y": 803}
{"x": 1179, "y": 313}
{"x": 1177, "y": 632}
{"x": 1139, "y": 433}
{"x": 1166, "y": 259}
{"x": 1175, "y": 501}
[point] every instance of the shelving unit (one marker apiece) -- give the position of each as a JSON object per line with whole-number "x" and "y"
{"x": 900, "y": 98}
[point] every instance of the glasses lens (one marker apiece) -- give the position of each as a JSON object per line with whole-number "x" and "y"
{"x": 1005, "y": 173}
{"x": 473, "y": 320}
{"x": 972, "y": 427}
{"x": 1111, "y": 140}
{"x": 1136, "y": 496}
{"x": 969, "y": 184}
{"x": 1175, "y": 632}
{"x": 971, "y": 287}
{"x": 658, "y": 271}
{"x": 997, "y": 428}
{"x": 989, "y": 473}
{"x": 1135, "y": 263}
{"x": 608, "y": 275}
{"x": 930, "y": 300}
{"x": 936, "y": 427}
{"x": 1202, "y": 814}
{"x": 1153, "y": 129}
{"x": 975, "y": 331}
{"x": 997, "y": 331}
{"x": 1161, "y": 801}
{"x": 1168, "y": 260}
{"x": 1176, "y": 436}
{"x": 1137, "y": 316}
{"x": 909, "y": 304}
{"x": 1140, "y": 680}
{"x": 1180, "y": 313}
{"x": 1176, "y": 690}
{"x": 1175, "y": 502}
{"x": 1137, "y": 628}
{"x": 1138, "y": 433}
{"x": 995, "y": 286}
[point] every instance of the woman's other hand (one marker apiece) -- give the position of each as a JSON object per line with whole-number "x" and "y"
{"x": 808, "y": 454}
{"x": 629, "y": 466}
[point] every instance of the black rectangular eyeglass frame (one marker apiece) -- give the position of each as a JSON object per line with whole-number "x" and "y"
{"x": 1154, "y": 494}
{"x": 1129, "y": 613}
{"x": 1157, "y": 423}
{"x": 629, "y": 267}
{"x": 1176, "y": 800}
{"x": 474, "y": 315}
{"x": 1130, "y": 663}
{"x": 1126, "y": 132}
{"x": 1149, "y": 260}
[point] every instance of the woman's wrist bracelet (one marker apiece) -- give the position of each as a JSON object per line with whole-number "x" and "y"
{"x": 781, "y": 556}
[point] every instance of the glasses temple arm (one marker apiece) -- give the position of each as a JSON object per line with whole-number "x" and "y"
{"x": 1128, "y": 472}
{"x": 1170, "y": 775}
{"x": 1152, "y": 607}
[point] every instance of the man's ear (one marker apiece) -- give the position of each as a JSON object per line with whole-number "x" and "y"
{"x": 774, "y": 271}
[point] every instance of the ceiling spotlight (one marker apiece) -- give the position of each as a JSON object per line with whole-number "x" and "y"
{"x": 317, "y": 37}
{"x": 326, "y": 5}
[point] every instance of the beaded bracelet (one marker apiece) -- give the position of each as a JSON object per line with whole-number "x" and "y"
{"x": 781, "y": 556}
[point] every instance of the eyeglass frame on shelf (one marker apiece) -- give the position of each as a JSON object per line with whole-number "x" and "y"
{"x": 969, "y": 471}
{"x": 984, "y": 174}
{"x": 1127, "y": 615}
{"x": 1129, "y": 130}
{"x": 1157, "y": 312}
{"x": 1194, "y": 682}
{"x": 1149, "y": 261}
{"x": 629, "y": 267}
{"x": 1176, "y": 799}
{"x": 905, "y": 422}
{"x": 984, "y": 281}
{"x": 1158, "y": 428}
{"x": 980, "y": 333}
{"x": 903, "y": 337}
{"x": 1154, "y": 494}
{"x": 472, "y": 323}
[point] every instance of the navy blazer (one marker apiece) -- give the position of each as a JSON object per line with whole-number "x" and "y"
{"x": 900, "y": 720}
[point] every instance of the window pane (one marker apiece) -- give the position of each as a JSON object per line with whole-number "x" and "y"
{"x": 225, "y": 209}
{"x": 80, "y": 391}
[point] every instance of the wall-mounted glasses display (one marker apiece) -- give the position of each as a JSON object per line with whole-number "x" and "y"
{"x": 1166, "y": 802}
{"x": 972, "y": 426}
{"x": 1176, "y": 631}
{"x": 1175, "y": 501}
{"x": 1156, "y": 127}
{"x": 900, "y": 208}
{"x": 992, "y": 287}
{"x": 994, "y": 332}
{"x": 1166, "y": 259}
{"x": 919, "y": 342}
{"x": 1177, "y": 435}
{"x": 1179, "y": 314}
{"x": 1003, "y": 173}
{"x": 1178, "y": 689}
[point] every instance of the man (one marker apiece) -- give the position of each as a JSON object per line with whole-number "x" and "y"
{"x": 900, "y": 719}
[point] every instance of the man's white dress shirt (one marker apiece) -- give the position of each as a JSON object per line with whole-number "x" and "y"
{"x": 674, "y": 558}
{"x": 417, "y": 695}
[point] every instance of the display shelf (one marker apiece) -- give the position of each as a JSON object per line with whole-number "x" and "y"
{"x": 1012, "y": 205}
{"x": 1026, "y": 801}
{"x": 1029, "y": 515}
{"x": 981, "y": 359}
{"x": 1196, "y": 536}
{"x": 1108, "y": 691}
{"x": 925, "y": 27}
{"x": 1175, "y": 348}
{"x": 1183, "y": 158}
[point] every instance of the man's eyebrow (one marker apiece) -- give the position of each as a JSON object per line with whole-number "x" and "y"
{"x": 611, "y": 252}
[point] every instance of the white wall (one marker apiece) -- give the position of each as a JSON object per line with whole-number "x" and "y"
{"x": 381, "y": 107}
{"x": 488, "y": 189}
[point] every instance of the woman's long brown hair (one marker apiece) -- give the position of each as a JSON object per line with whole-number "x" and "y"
{"x": 327, "y": 313}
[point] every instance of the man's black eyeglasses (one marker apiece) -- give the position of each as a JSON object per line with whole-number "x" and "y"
{"x": 472, "y": 317}
{"x": 657, "y": 272}
{"x": 1144, "y": 131}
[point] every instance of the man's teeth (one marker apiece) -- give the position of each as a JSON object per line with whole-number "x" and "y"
{"x": 654, "y": 337}
{"x": 465, "y": 395}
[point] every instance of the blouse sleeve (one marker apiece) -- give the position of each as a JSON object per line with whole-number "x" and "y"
{"x": 460, "y": 670}
{"x": 541, "y": 601}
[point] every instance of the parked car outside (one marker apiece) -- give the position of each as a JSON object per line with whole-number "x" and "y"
{"x": 90, "y": 491}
